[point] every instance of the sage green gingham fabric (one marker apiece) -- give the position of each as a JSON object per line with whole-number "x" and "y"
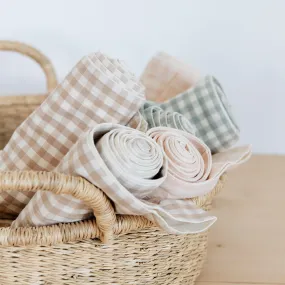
{"x": 157, "y": 117}
{"x": 207, "y": 108}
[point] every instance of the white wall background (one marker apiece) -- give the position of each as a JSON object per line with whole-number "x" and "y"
{"x": 241, "y": 42}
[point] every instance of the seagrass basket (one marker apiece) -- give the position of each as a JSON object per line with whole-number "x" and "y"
{"x": 73, "y": 253}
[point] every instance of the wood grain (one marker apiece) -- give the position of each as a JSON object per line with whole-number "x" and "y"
{"x": 235, "y": 283}
{"x": 247, "y": 244}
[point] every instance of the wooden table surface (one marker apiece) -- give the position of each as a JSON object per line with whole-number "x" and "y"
{"x": 247, "y": 243}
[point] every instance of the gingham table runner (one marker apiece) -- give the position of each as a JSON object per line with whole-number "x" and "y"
{"x": 207, "y": 108}
{"x": 97, "y": 90}
{"x": 165, "y": 76}
{"x": 84, "y": 159}
{"x": 192, "y": 170}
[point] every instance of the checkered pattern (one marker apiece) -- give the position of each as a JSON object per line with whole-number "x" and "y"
{"x": 207, "y": 108}
{"x": 97, "y": 90}
{"x": 85, "y": 159}
{"x": 165, "y": 76}
{"x": 156, "y": 117}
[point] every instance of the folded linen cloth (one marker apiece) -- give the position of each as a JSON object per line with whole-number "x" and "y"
{"x": 138, "y": 122}
{"x": 156, "y": 117}
{"x": 207, "y": 108}
{"x": 192, "y": 171}
{"x": 131, "y": 159}
{"x": 164, "y": 77}
{"x": 97, "y": 90}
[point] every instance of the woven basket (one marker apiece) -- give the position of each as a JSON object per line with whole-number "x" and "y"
{"x": 72, "y": 253}
{"x": 14, "y": 109}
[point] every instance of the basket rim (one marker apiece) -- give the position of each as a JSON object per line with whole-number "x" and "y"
{"x": 69, "y": 232}
{"x": 59, "y": 183}
{"x": 36, "y": 55}
{"x": 25, "y": 99}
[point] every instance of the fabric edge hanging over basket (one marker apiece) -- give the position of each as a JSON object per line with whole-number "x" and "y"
{"x": 138, "y": 246}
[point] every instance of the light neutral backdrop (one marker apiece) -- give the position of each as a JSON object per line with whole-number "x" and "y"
{"x": 241, "y": 42}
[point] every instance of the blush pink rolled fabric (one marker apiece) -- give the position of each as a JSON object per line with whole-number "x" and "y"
{"x": 192, "y": 170}
{"x": 165, "y": 76}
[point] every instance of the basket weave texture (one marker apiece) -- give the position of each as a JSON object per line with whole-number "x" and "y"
{"x": 72, "y": 253}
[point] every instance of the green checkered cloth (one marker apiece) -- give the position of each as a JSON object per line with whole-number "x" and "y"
{"x": 156, "y": 117}
{"x": 207, "y": 108}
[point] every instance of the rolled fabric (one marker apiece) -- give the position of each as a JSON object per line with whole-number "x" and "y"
{"x": 89, "y": 158}
{"x": 207, "y": 108}
{"x": 192, "y": 170}
{"x": 156, "y": 117}
{"x": 165, "y": 76}
{"x": 97, "y": 90}
{"x": 134, "y": 159}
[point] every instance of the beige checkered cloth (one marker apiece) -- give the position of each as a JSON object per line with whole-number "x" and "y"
{"x": 131, "y": 159}
{"x": 192, "y": 170}
{"x": 164, "y": 77}
{"x": 97, "y": 90}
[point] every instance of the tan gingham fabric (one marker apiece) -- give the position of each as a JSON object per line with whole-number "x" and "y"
{"x": 97, "y": 90}
{"x": 165, "y": 76}
{"x": 84, "y": 159}
{"x": 192, "y": 170}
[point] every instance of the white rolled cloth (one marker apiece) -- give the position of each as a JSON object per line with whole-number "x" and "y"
{"x": 134, "y": 159}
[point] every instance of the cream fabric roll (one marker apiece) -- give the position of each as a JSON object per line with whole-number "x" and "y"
{"x": 192, "y": 170}
{"x": 134, "y": 159}
{"x": 85, "y": 159}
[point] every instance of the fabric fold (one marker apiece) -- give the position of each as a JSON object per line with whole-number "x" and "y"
{"x": 165, "y": 76}
{"x": 98, "y": 89}
{"x": 138, "y": 122}
{"x": 192, "y": 170}
{"x": 88, "y": 159}
{"x": 207, "y": 108}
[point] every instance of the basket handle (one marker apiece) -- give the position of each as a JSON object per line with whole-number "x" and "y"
{"x": 33, "y": 53}
{"x": 59, "y": 183}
